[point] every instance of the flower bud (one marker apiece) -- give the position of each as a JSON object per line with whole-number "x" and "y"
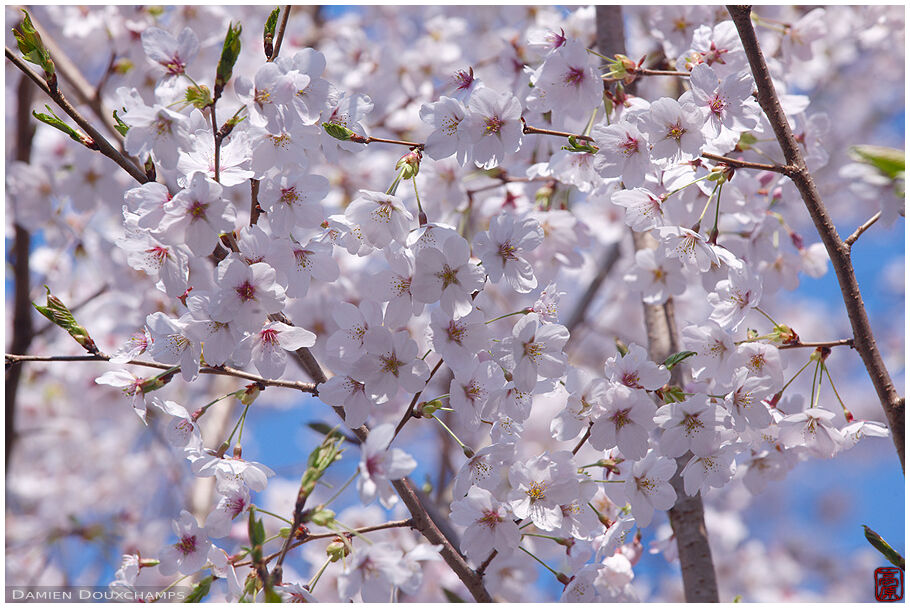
{"x": 409, "y": 164}
{"x": 337, "y": 550}
{"x": 323, "y": 517}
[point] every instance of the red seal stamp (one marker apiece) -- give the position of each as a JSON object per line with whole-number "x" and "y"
{"x": 889, "y": 584}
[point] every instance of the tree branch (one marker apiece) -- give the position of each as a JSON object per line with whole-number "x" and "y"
{"x": 830, "y": 344}
{"x": 104, "y": 146}
{"x": 279, "y": 35}
{"x": 83, "y": 90}
{"x": 23, "y": 327}
{"x": 687, "y": 516}
{"x": 859, "y": 231}
{"x": 838, "y": 251}
{"x": 12, "y": 360}
{"x": 744, "y": 164}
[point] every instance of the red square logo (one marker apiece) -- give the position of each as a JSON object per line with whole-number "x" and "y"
{"x": 889, "y": 584}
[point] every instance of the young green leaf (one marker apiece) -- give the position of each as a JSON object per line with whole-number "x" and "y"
{"x": 268, "y": 32}
{"x": 33, "y": 50}
{"x": 230, "y": 51}
{"x": 58, "y": 314}
{"x": 677, "y": 358}
{"x": 55, "y": 121}
{"x": 883, "y": 547}
{"x": 200, "y": 590}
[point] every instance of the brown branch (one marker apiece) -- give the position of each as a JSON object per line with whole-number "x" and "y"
{"x": 409, "y": 412}
{"x": 838, "y": 251}
{"x": 830, "y": 344}
{"x": 279, "y": 35}
{"x": 402, "y": 523}
{"x": 611, "y": 256}
{"x": 859, "y": 231}
{"x": 359, "y": 139}
{"x": 13, "y": 359}
{"x": 74, "y": 308}
{"x": 584, "y": 438}
{"x": 649, "y": 72}
{"x": 255, "y": 209}
{"x": 83, "y": 90}
{"x": 687, "y": 517}
{"x": 529, "y": 130}
{"x": 104, "y": 146}
{"x": 23, "y": 326}
{"x": 744, "y": 164}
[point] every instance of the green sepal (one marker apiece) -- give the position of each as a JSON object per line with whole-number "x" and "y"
{"x": 230, "y": 51}
{"x": 198, "y": 96}
{"x": 55, "y": 121}
{"x": 883, "y": 547}
{"x": 58, "y": 314}
{"x": 200, "y": 590}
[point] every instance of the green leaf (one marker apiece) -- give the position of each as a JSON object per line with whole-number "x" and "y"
{"x": 58, "y": 314}
{"x": 256, "y": 530}
{"x": 452, "y": 596}
{"x": 32, "y": 48}
{"x": 271, "y": 596}
{"x": 121, "y": 126}
{"x": 883, "y": 547}
{"x": 677, "y": 358}
{"x": 55, "y": 121}
{"x": 230, "y": 51}
{"x": 200, "y": 590}
{"x": 889, "y": 161}
{"x": 339, "y": 132}
{"x": 268, "y": 32}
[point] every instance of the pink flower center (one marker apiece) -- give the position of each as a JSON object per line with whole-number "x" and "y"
{"x": 246, "y": 292}
{"x": 493, "y": 124}
{"x": 630, "y": 146}
{"x": 187, "y": 544}
{"x": 197, "y": 210}
{"x": 575, "y": 76}
{"x": 269, "y": 336}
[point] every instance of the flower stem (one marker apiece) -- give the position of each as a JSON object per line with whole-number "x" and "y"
{"x": 394, "y": 187}
{"x": 839, "y": 400}
{"x": 767, "y": 316}
{"x": 312, "y": 584}
{"x": 541, "y": 562}
{"x": 681, "y": 188}
{"x": 511, "y": 314}
{"x": 454, "y": 436}
{"x": 284, "y": 519}
{"x": 340, "y": 490}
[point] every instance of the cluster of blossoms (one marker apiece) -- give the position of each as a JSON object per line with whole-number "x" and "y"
{"x": 444, "y": 306}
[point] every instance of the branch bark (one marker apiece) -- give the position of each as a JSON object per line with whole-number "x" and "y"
{"x": 104, "y": 146}
{"x": 23, "y": 326}
{"x": 838, "y": 250}
{"x": 687, "y": 517}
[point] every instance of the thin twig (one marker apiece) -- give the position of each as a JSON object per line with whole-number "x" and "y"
{"x": 12, "y": 359}
{"x": 830, "y": 344}
{"x": 359, "y": 139}
{"x": 279, "y": 35}
{"x": 838, "y": 251}
{"x": 610, "y": 257}
{"x": 649, "y": 72}
{"x": 584, "y": 438}
{"x": 402, "y": 523}
{"x": 83, "y": 91}
{"x": 409, "y": 412}
{"x": 859, "y": 231}
{"x": 744, "y": 164}
{"x": 528, "y": 129}
{"x": 104, "y": 146}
